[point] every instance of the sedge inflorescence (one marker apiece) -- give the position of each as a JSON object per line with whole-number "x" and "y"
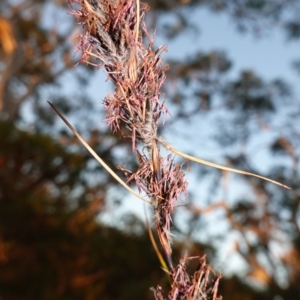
{"x": 112, "y": 39}
{"x": 114, "y": 36}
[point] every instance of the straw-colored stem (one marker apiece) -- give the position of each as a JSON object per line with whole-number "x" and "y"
{"x": 126, "y": 99}
{"x": 207, "y": 163}
{"x": 104, "y": 165}
{"x": 137, "y": 20}
{"x": 155, "y": 247}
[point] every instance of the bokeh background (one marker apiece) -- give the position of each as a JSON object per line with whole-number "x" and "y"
{"x": 68, "y": 231}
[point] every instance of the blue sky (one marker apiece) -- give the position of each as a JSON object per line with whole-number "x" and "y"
{"x": 270, "y": 55}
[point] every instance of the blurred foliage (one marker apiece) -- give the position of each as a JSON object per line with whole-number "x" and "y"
{"x": 52, "y": 245}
